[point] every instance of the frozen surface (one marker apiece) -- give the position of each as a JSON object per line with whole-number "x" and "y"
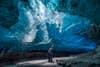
{"x": 39, "y": 24}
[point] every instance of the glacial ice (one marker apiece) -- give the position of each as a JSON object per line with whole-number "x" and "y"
{"x": 38, "y": 21}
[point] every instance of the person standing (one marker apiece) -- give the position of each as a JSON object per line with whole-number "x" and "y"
{"x": 50, "y": 54}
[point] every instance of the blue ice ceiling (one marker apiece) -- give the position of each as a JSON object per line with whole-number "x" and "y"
{"x": 41, "y": 22}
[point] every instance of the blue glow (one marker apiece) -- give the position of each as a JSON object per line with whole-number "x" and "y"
{"x": 39, "y": 24}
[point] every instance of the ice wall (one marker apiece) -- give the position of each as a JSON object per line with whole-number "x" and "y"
{"x": 40, "y": 22}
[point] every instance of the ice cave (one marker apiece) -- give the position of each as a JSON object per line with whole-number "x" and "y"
{"x": 41, "y": 23}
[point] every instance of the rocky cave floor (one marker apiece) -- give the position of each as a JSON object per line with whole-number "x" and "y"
{"x": 90, "y": 59}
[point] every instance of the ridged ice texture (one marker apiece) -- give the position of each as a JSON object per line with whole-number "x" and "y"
{"x": 39, "y": 24}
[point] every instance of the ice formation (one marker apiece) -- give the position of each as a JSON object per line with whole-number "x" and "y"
{"x": 43, "y": 22}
